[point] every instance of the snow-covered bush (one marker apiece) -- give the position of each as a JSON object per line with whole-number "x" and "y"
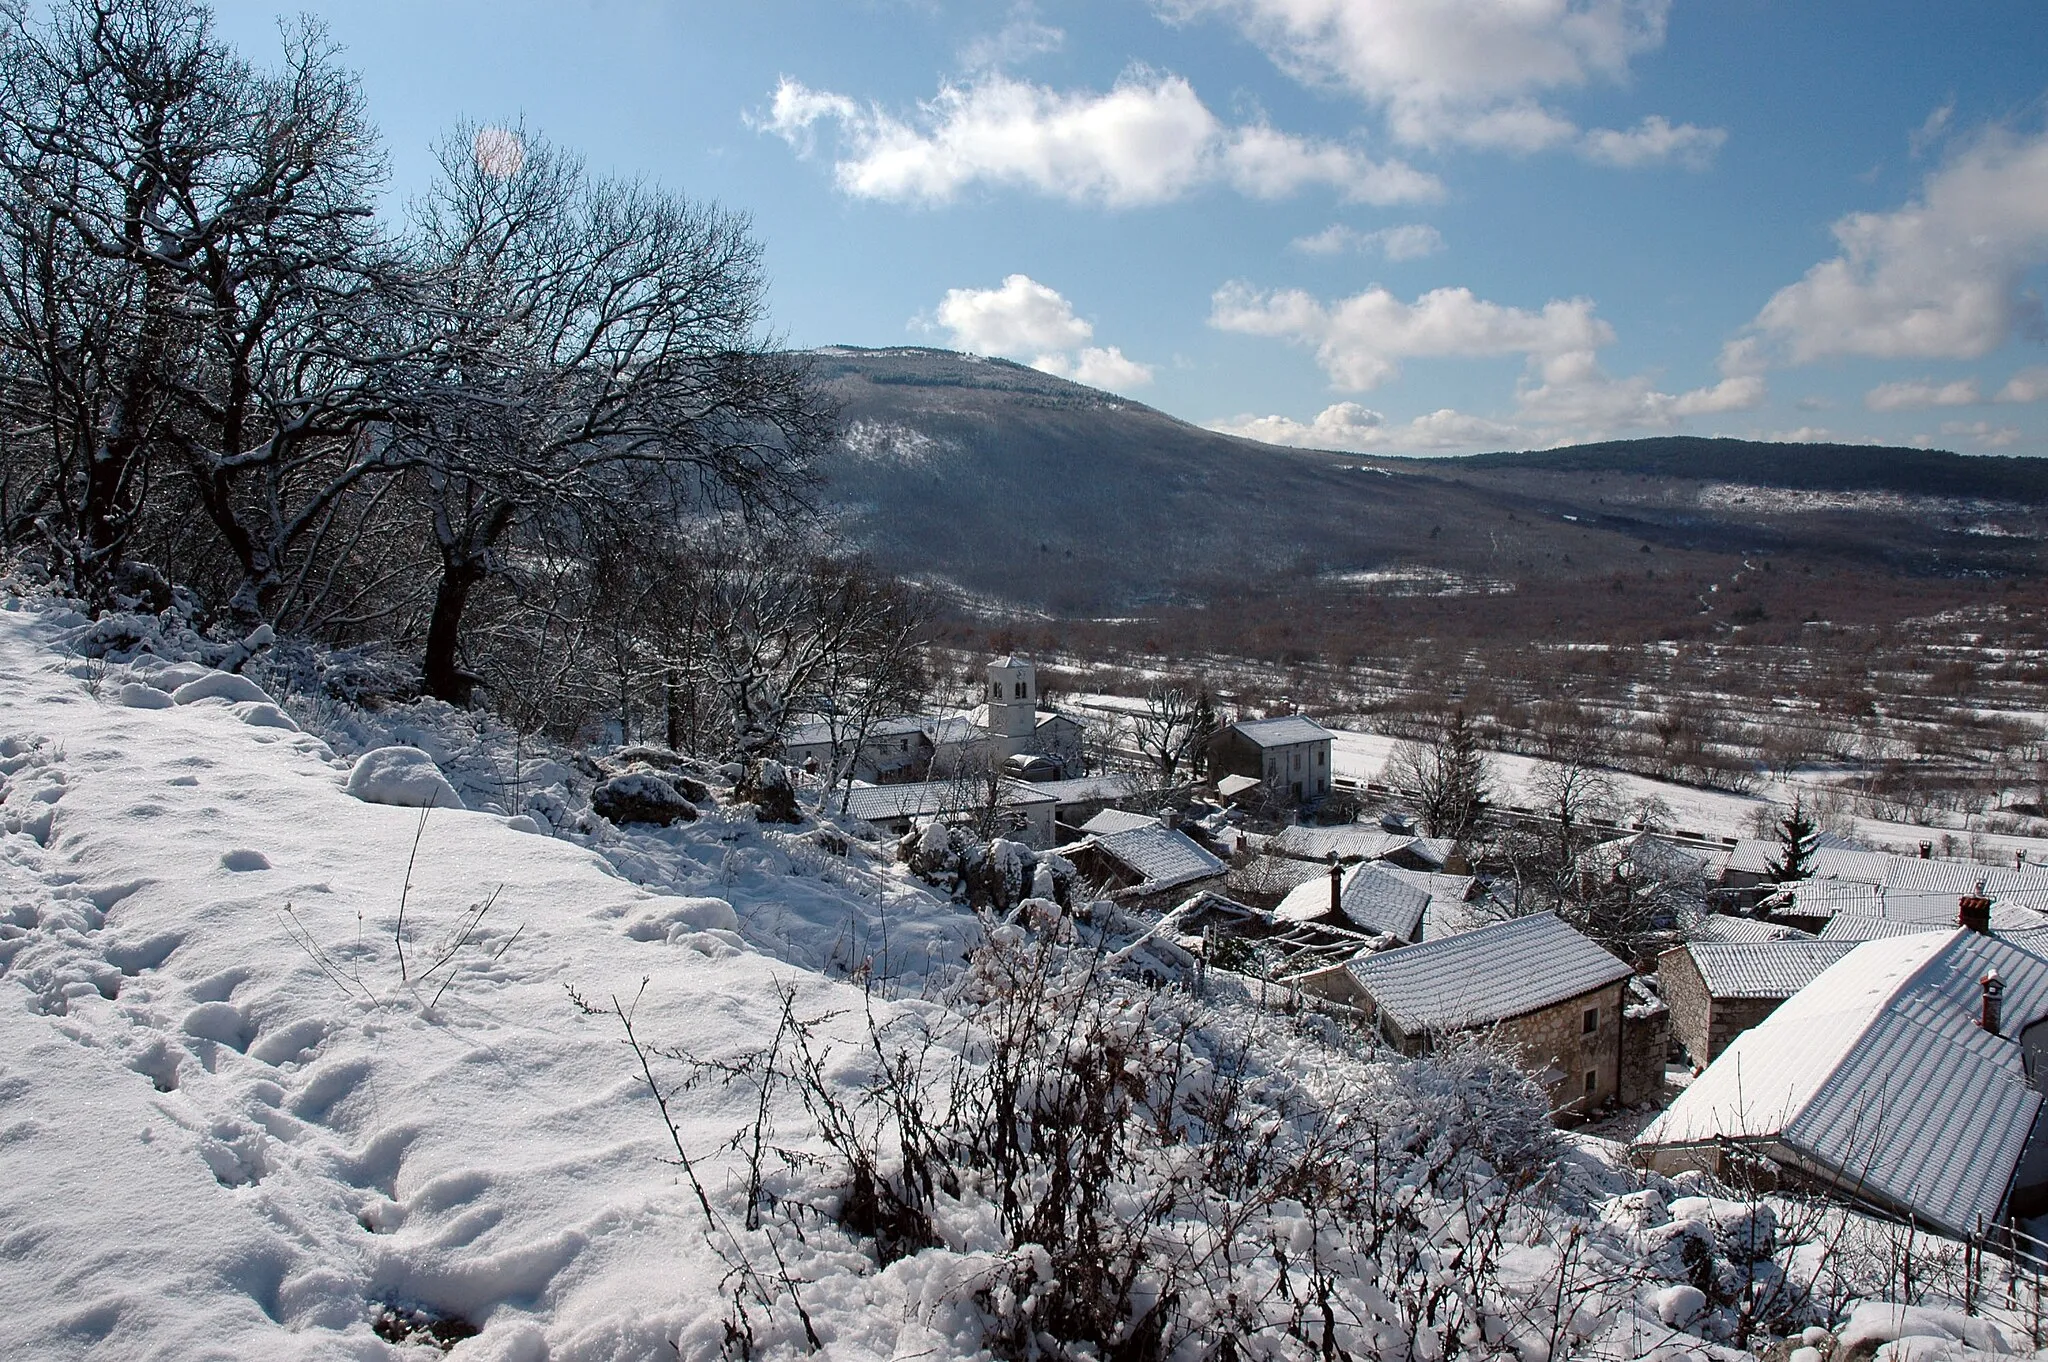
{"x": 1105, "y": 1169}
{"x": 993, "y": 876}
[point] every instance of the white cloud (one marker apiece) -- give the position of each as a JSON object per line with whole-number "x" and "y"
{"x": 1941, "y": 278}
{"x": 1360, "y": 430}
{"x": 1986, "y": 435}
{"x": 1098, "y": 367}
{"x": 1933, "y": 130}
{"x": 1026, "y": 320}
{"x": 1361, "y": 340}
{"x": 2028, "y": 385}
{"x": 1564, "y": 393}
{"x": 1411, "y": 241}
{"x": 1148, "y": 140}
{"x": 1654, "y": 141}
{"x": 1021, "y": 318}
{"x": 1912, "y": 396}
{"x": 1017, "y": 41}
{"x": 1472, "y": 72}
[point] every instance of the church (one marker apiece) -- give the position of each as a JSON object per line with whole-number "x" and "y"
{"x": 1009, "y": 729}
{"x": 1014, "y": 725}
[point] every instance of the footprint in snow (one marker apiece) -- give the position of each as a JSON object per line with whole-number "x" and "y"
{"x": 244, "y": 859}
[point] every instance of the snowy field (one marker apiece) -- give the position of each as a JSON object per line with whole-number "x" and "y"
{"x": 214, "y": 1149}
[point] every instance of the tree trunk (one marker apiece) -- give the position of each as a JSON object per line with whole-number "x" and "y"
{"x": 445, "y": 679}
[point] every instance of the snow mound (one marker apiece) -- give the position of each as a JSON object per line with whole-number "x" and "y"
{"x": 404, "y": 776}
{"x": 1899, "y": 1332}
{"x": 220, "y": 686}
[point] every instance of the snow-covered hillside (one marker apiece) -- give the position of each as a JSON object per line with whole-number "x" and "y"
{"x": 215, "y": 1149}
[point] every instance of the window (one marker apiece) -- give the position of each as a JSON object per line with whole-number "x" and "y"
{"x": 1592, "y": 1021}
{"x": 1322, "y": 756}
{"x": 1020, "y": 690}
{"x": 1297, "y": 761}
{"x": 1592, "y": 1081}
{"x": 995, "y": 690}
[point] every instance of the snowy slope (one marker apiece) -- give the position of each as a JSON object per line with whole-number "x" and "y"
{"x": 213, "y": 1149}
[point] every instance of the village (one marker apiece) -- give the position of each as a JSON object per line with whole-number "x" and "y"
{"x": 1869, "y": 1025}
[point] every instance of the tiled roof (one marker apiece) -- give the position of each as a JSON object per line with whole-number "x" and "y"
{"x": 1089, "y": 787}
{"x": 1879, "y": 1072}
{"x": 1118, "y": 820}
{"x": 1283, "y": 731}
{"x": 1373, "y": 899}
{"x": 1856, "y": 927}
{"x": 1165, "y": 857}
{"x": 923, "y": 798}
{"x": 1485, "y": 976}
{"x": 1724, "y": 927}
{"x": 1350, "y": 841}
{"x": 1763, "y": 969}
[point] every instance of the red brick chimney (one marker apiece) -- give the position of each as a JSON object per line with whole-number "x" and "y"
{"x": 1974, "y": 911}
{"x": 1994, "y": 1001}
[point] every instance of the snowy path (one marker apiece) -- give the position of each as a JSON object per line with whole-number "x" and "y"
{"x": 213, "y": 1150}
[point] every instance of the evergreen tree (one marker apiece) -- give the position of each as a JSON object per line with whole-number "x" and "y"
{"x": 1798, "y": 838}
{"x": 1207, "y": 724}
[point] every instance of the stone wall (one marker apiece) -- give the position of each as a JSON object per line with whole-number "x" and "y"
{"x": 1645, "y": 1044}
{"x": 1556, "y": 1038}
{"x": 1692, "y": 1011}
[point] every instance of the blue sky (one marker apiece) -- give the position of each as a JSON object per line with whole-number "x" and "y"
{"x": 1384, "y": 225}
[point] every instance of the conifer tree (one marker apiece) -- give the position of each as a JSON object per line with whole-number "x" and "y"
{"x": 1798, "y": 838}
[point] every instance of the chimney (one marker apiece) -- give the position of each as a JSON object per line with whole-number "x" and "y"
{"x": 1169, "y": 818}
{"x": 1926, "y": 851}
{"x": 1974, "y": 911}
{"x": 1994, "y": 1000}
{"x": 1336, "y": 886}
{"x": 2019, "y": 859}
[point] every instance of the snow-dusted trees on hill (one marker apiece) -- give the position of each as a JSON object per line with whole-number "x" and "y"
{"x": 591, "y": 352}
{"x": 218, "y": 365}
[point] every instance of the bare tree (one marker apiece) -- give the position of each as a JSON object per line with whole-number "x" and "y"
{"x": 1450, "y": 777}
{"x": 1174, "y": 728}
{"x": 191, "y": 272}
{"x": 593, "y": 341}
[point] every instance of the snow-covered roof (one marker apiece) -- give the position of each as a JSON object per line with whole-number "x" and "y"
{"x": 1284, "y": 731}
{"x": 1373, "y": 899}
{"x": 1349, "y": 841}
{"x": 923, "y": 798}
{"x": 1165, "y": 857}
{"x": 1117, "y": 820}
{"x": 1879, "y": 1073}
{"x": 1232, "y": 786}
{"x": 1755, "y": 855}
{"x": 1484, "y": 976}
{"x": 818, "y": 731}
{"x": 1651, "y": 857}
{"x": 1857, "y": 927}
{"x": 1924, "y": 909}
{"x": 1435, "y": 883}
{"x": 1763, "y": 969}
{"x": 1724, "y": 927}
{"x": 1083, "y": 788}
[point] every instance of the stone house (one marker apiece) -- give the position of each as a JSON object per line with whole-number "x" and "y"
{"x": 1554, "y": 997}
{"x": 1716, "y": 990}
{"x": 1908, "y": 1075}
{"x": 1290, "y": 755}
